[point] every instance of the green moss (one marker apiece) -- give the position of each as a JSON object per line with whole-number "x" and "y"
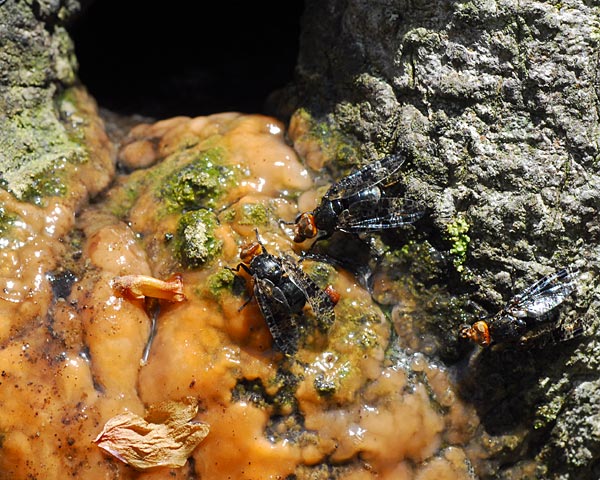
{"x": 221, "y": 280}
{"x": 35, "y": 149}
{"x": 195, "y": 240}
{"x": 6, "y": 220}
{"x": 198, "y": 184}
{"x": 456, "y": 234}
{"x": 255, "y": 214}
{"x": 359, "y": 324}
{"x": 337, "y": 148}
{"x": 123, "y": 199}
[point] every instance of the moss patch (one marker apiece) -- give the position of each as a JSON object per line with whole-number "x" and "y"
{"x": 221, "y": 280}
{"x": 337, "y": 148}
{"x": 456, "y": 234}
{"x": 6, "y": 219}
{"x": 199, "y": 183}
{"x": 255, "y": 214}
{"x": 195, "y": 239}
{"x": 35, "y": 150}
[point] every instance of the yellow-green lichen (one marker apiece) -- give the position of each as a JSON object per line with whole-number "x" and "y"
{"x": 456, "y": 234}
{"x": 255, "y": 214}
{"x": 6, "y": 219}
{"x": 195, "y": 239}
{"x": 221, "y": 280}
{"x": 198, "y": 184}
{"x": 336, "y": 147}
{"x": 35, "y": 151}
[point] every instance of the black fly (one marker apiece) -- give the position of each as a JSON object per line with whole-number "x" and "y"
{"x": 282, "y": 289}
{"x": 357, "y": 203}
{"x": 528, "y": 315}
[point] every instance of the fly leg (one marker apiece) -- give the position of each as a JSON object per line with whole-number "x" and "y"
{"x": 247, "y": 270}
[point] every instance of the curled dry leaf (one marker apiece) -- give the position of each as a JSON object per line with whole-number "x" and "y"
{"x": 141, "y": 286}
{"x": 165, "y": 438}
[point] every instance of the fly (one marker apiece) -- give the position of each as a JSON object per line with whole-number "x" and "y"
{"x": 357, "y": 203}
{"x": 529, "y": 314}
{"x": 282, "y": 289}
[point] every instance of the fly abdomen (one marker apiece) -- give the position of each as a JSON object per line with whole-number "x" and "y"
{"x": 505, "y": 328}
{"x": 295, "y": 297}
{"x": 372, "y": 194}
{"x": 266, "y": 266}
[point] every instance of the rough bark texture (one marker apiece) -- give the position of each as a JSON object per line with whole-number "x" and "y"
{"x": 496, "y": 106}
{"x": 44, "y": 123}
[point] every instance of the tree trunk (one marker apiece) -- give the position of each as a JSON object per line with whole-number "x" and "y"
{"x": 495, "y": 105}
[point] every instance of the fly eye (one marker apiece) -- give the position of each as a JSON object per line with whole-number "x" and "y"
{"x": 248, "y": 252}
{"x": 305, "y": 227}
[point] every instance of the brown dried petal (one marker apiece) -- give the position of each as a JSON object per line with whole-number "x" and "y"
{"x": 141, "y": 286}
{"x": 166, "y": 438}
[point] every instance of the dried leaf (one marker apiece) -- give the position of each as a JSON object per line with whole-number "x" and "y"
{"x": 166, "y": 438}
{"x": 141, "y": 286}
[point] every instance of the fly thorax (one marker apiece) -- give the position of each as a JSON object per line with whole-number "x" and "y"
{"x": 506, "y": 328}
{"x": 266, "y": 266}
{"x": 326, "y": 215}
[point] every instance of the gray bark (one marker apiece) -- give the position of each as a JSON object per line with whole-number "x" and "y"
{"x": 495, "y": 105}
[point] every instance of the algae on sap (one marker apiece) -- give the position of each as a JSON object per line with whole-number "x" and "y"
{"x": 333, "y": 144}
{"x": 321, "y": 273}
{"x": 7, "y": 219}
{"x": 199, "y": 183}
{"x": 35, "y": 151}
{"x": 195, "y": 239}
{"x": 221, "y": 280}
{"x": 255, "y": 214}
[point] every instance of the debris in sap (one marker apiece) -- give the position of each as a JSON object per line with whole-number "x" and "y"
{"x": 139, "y": 287}
{"x": 529, "y": 315}
{"x": 358, "y": 203}
{"x": 282, "y": 289}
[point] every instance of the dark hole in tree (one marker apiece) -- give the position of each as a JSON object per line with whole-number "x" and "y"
{"x": 162, "y": 59}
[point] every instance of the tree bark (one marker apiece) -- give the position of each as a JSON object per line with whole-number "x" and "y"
{"x": 495, "y": 105}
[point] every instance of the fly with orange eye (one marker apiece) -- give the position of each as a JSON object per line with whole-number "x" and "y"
{"x": 359, "y": 203}
{"x": 530, "y": 314}
{"x": 282, "y": 289}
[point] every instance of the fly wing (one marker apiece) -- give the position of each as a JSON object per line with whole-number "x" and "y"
{"x": 368, "y": 176}
{"x": 387, "y": 212}
{"x": 319, "y": 301}
{"x": 277, "y": 314}
{"x": 545, "y": 294}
